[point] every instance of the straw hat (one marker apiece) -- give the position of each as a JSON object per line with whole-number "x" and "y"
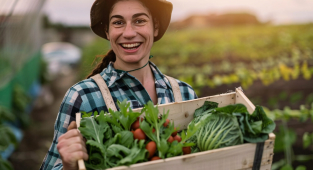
{"x": 100, "y": 11}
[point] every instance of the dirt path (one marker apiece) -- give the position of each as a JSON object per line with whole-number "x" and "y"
{"x": 38, "y": 137}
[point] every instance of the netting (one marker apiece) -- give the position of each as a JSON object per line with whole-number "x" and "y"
{"x": 20, "y": 35}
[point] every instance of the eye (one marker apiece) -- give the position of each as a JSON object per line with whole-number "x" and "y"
{"x": 118, "y": 22}
{"x": 140, "y": 21}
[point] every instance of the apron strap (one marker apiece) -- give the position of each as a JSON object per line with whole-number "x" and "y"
{"x": 104, "y": 91}
{"x": 175, "y": 89}
{"x": 109, "y": 100}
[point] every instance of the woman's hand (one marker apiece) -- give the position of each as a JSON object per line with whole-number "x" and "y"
{"x": 72, "y": 147}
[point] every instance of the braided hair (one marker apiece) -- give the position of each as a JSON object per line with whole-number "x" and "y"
{"x": 110, "y": 56}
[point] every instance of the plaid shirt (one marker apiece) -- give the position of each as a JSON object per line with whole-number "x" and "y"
{"x": 86, "y": 96}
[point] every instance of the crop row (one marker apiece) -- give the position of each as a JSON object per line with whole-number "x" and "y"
{"x": 246, "y": 77}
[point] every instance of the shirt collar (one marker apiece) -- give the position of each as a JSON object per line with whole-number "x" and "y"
{"x": 111, "y": 75}
{"x": 159, "y": 77}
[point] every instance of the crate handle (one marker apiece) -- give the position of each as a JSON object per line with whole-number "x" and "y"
{"x": 81, "y": 163}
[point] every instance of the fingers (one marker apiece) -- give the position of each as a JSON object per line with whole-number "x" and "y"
{"x": 72, "y": 126}
{"x": 76, "y": 147}
{"x": 69, "y": 141}
{"x": 70, "y": 160}
{"x": 70, "y": 134}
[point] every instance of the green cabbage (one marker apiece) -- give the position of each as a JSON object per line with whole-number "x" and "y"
{"x": 220, "y": 130}
{"x": 229, "y": 125}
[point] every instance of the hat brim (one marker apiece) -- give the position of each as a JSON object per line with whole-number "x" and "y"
{"x": 160, "y": 9}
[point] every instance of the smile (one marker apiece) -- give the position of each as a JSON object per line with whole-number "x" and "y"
{"x": 132, "y": 46}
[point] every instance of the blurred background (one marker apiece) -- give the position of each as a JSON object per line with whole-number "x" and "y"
{"x": 266, "y": 47}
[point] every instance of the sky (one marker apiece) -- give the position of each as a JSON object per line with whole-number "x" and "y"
{"x": 76, "y": 12}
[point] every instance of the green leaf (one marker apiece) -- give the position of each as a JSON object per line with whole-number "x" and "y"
{"x": 85, "y": 114}
{"x": 286, "y": 167}
{"x": 116, "y": 129}
{"x": 162, "y": 147}
{"x": 127, "y": 138}
{"x": 116, "y": 139}
{"x": 126, "y": 116}
{"x": 7, "y": 137}
{"x": 5, "y": 114}
{"x": 138, "y": 153}
{"x": 5, "y": 165}
{"x": 99, "y": 146}
{"x": 175, "y": 149}
{"x": 192, "y": 129}
{"x": 206, "y": 106}
{"x": 189, "y": 144}
{"x": 95, "y": 161}
{"x": 90, "y": 129}
{"x": 306, "y": 140}
{"x": 281, "y": 143}
{"x": 118, "y": 151}
{"x": 257, "y": 126}
{"x": 110, "y": 118}
{"x": 268, "y": 125}
{"x": 167, "y": 132}
{"x": 236, "y": 108}
{"x": 301, "y": 167}
{"x": 152, "y": 120}
{"x": 148, "y": 130}
{"x": 303, "y": 158}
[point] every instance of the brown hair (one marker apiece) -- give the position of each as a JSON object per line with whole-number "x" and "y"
{"x": 110, "y": 56}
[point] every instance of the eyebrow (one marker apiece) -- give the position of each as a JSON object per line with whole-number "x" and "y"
{"x": 134, "y": 16}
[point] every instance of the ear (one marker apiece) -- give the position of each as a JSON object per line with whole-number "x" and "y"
{"x": 156, "y": 28}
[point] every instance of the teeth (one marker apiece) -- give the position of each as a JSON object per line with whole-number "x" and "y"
{"x": 130, "y": 45}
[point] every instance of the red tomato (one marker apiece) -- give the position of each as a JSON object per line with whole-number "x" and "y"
{"x": 153, "y": 130}
{"x": 151, "y": 147}
{"x": 136, "y": 124}
{"x": 155, "y": 158}
{"x": 174, "y": 133}
{"x": 165, "y": 124}
{"x": 178, "y": 138}
{"x": 170, "y": 139}
{"x": 139, "y": 134}
{"x": 186, "y": 150}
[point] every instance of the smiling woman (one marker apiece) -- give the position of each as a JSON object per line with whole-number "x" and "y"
{"x": 125, "y": 73}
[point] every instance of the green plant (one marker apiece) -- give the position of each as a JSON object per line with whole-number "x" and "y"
{"x": 20, "y": 102}
{"x": 286, "y": 137}
{"x": 7, "y": 136}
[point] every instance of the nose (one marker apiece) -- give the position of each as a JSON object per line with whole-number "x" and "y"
{"x": 129, "y": 31}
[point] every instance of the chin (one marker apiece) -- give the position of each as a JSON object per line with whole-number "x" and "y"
{"x": 132, "y": 59}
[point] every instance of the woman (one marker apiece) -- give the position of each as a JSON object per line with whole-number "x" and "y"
{"x": 131, "y": 26}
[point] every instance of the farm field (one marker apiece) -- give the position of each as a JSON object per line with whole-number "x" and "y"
{"x": 273, "y": 65}
{"x": 221, "y": 57}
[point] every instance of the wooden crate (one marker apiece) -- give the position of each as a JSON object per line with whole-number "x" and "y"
{"x": 228, "y": 158}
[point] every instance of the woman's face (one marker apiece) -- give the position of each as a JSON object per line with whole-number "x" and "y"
{"x": 131, "y": 31}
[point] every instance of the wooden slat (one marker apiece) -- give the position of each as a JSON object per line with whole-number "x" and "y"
{"x": 241, "y": 98}
{"x": 182, "y": 112}
{"x": 228, "y": 158}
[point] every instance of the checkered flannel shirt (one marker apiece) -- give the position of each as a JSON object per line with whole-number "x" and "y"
{"x": 86, "y": 96}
